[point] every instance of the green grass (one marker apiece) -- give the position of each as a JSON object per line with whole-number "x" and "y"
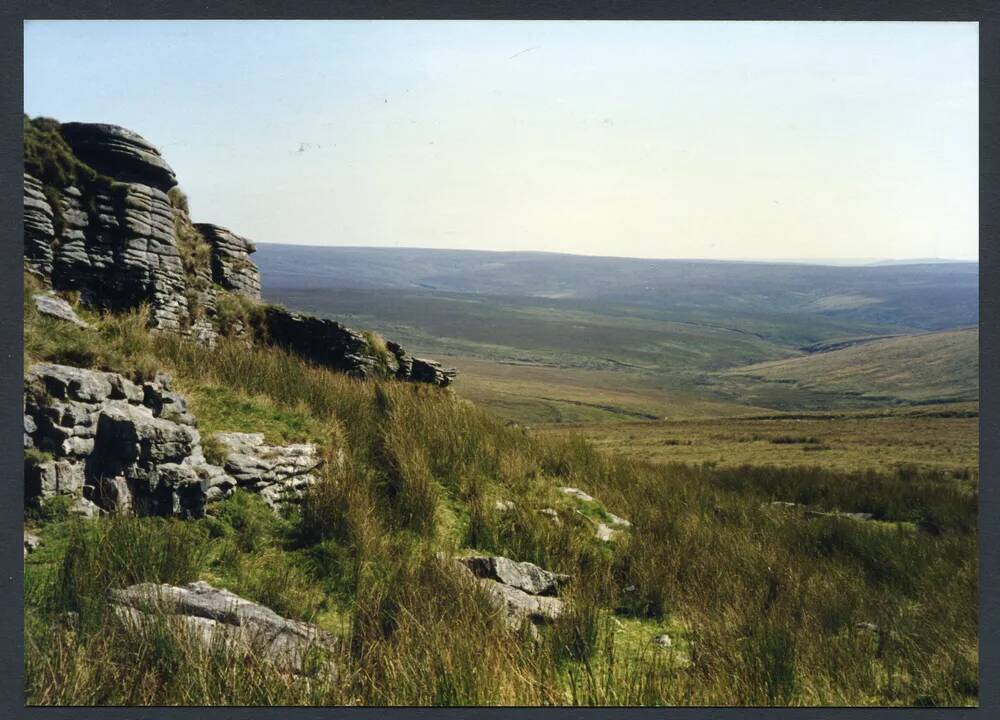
{"x": 765, "y": 605}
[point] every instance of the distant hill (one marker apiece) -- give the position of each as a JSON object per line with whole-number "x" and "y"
{"x": 880, "y": 297}
{"x": 932, "y": 367}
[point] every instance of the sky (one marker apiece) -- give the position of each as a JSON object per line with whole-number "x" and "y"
{"x": 721, "y": 140}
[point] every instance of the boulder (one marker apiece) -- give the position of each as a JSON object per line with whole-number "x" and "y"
{"x": 217, "y": 615}
{"x": 661, "y": 640}
{"x": 119, "y": 153}
{"x": 520, "y": 606}
{"x": 521, "y": 575}
{"x": 56, "y": 307}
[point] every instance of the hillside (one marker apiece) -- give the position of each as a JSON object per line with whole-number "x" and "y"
{"x": 930, "y": 367}
{"x": 926, "y": 296}
{"x": 232, "y": 503}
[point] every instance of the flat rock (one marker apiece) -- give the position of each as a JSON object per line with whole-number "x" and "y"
{"x": 212, "y": 613}
{"x": 520, "y": 605}
{"x": 56, "y": 307}
{"x": 521, "y": 575}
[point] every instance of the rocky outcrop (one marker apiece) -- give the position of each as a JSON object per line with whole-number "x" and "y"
{"x": 119, "y": 153}
{"x": 324, "y": 342}
{"x": 115, "y": 444}
{"x": 54, "y": 306}
{"x": 116, "y": 247}
{"x": 211, "y": 616}
{"x": 328, "y": 343}
{"x": 279, "y": 473}
{"x": 121, "y": 243}
{"x": 231, "y": 265}
{"x": 118, "y": 446}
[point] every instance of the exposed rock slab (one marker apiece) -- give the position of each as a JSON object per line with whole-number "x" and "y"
{"x": 521, "y": 575}
{"x": 214, "y": 614}
{"x": 56, "y": 307}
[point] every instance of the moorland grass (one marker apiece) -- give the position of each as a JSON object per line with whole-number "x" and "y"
{"x": 768, "y": 607}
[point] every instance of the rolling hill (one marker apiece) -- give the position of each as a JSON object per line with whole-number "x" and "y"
{"x": 930, "y": 367}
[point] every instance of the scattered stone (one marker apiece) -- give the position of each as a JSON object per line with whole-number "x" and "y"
{"x": 616, "y": 521}
{"x": 604, "y": 533}
{"x": 211, "y": 613}
{"x": 872, "y": 627}
{"x": 577, "y": 493}
{"x": 503, "y": 505}
{"x": 522, "y": 575}
{"x": 661, "y": 641}
{"x": 56, "y": 307}
{"x": 552, "y": 514}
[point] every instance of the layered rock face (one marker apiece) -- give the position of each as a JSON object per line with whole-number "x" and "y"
{"x": 231, "y": 265}
{"x": 121, "y": 243}
{"x": 328, "y": 343}
{"x": 119, "y": 153}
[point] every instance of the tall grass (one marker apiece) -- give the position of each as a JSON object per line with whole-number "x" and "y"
{"x": 769, "y": 607}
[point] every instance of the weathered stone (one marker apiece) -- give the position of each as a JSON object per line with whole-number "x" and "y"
{"x": 604, "y": 532}
{"x": 54, "y": 477}
{"x": 119, "y": 153}
{"x": 280, "y": 473}
{"x": 661, "y": 641}
{"x": 131, "y": 433}
{"x": 231, "y": 265}
{"x": 520, "y": 606}
{"x": 522, "y": 575}
{"x": 55, "y": 306}
{"x": 577, "y": 493}
{"x": 217, "y": 614}
{"x": 66, "y": 382}
{"x": 503, "y": 505}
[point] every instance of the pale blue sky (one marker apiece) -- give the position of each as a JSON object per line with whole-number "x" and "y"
{"x": 707, "y": 140}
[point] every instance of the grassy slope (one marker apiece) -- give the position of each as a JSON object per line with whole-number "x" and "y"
{"x": 932, "y": 367}
{"x": 763, "y": 605}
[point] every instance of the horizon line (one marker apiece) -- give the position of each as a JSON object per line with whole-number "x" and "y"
{"x": 784, "y": 261}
